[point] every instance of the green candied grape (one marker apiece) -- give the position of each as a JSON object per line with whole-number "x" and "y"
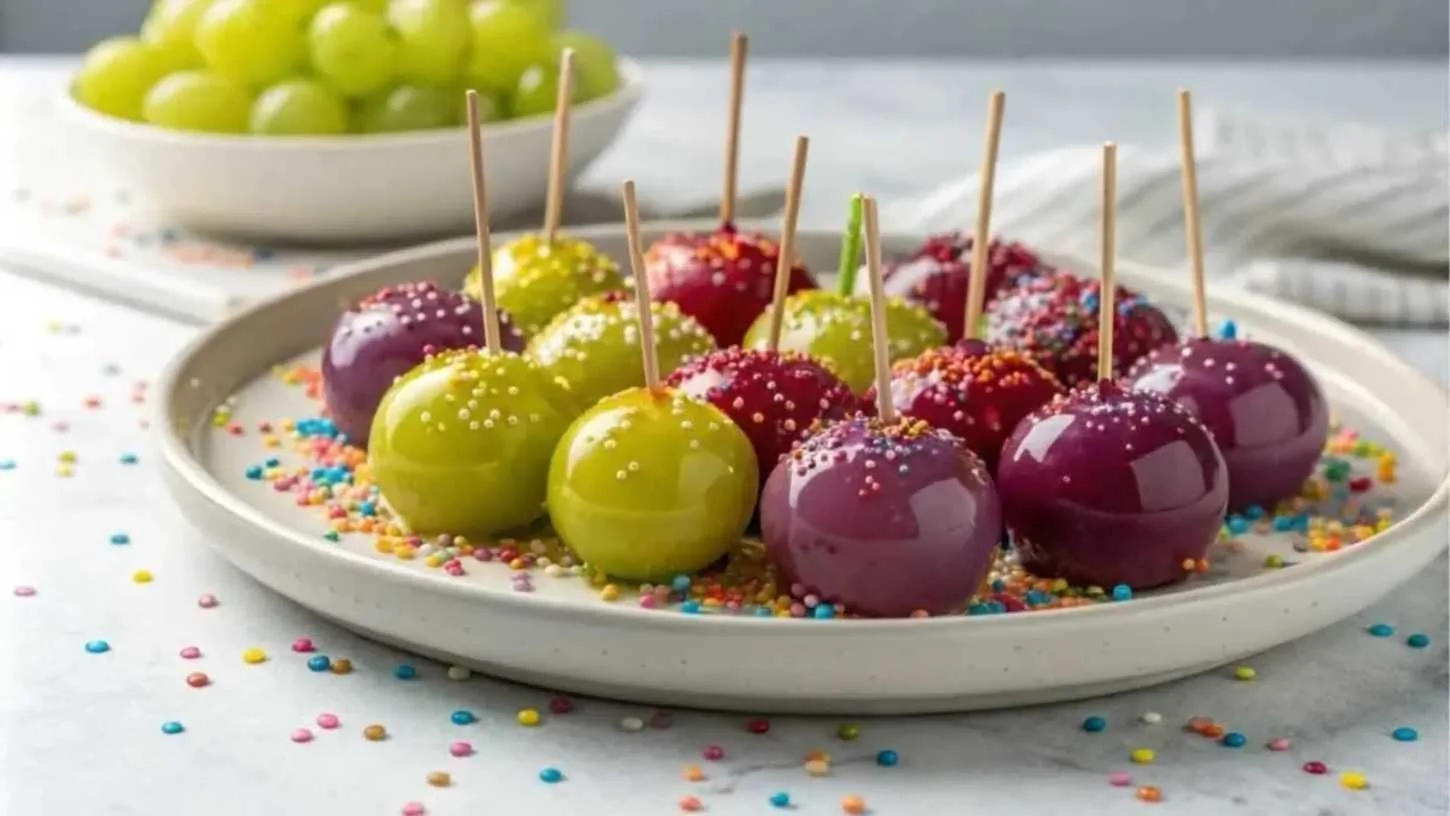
{"x": 534, "y": 280}
{"x": 537, "y": 93}
{"x": 649, "y": 485}
{"x": 202, "y": 101}
{"x": 595, "y": 65}
{"x": 461, "y": 444}
{"x": 406, "y": 107}
{"x": 115, "y": 76}
{"x": 594, "y": 346}
{"x": 836, "y": 330}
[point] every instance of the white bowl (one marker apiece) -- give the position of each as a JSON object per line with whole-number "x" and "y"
{"x": 344, "y": 189}
{"x": 563, "y": 636}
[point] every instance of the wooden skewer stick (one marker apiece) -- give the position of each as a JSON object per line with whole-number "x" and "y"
{"x": 739, "y": 45}
{"x": 1192, "y": 227}
{"x": 641, "y": 290}
{"x": 787, "y": 238}
{"x": 480, "y": 227}
{"x": 559, "y": 151}
{"x": 880, "y": 342}
{"x": 982, "y": 238}
{"x": 1107, "y": 309}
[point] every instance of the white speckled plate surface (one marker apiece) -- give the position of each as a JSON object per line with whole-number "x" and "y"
{"x": 561, "y": 635}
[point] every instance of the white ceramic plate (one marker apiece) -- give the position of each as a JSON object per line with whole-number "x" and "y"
{"x": 345, "y": 189}
{"x": 563, "y": 637}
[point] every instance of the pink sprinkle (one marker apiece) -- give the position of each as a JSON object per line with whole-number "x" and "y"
{"x": 301, "y": 735}
{"x": 303, "y": 645}
{"x": 713, "y": 752}
{"x": 1279, "y": 744}
{"x": 414, "y": 809}
{"x": 207, "y": 601}
{"x": 24, "y": 591}
{"x": 328, "y": 721}
{"x": 460, "y": 749}
{"x": 1120, "y": 779}
{"x": 647, "y": 601}
{"x": 190, "y": 652}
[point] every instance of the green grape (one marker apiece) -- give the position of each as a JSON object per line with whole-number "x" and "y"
{"x": 596, "y": 68}
{"x": 115, "y": 76}
{"x": 551, "y": 12}
{"x": 538, "y": 92}
{"x": 252, "y": 41}
{"x": 170, "y": 29}
{"x": 198, "y": 100}
{"x": 406, "y": 107}
{"x": 432, "y": 39}
{"x": 490, "y": 109}
{"x": 507, "y": 39}
{"x": 298, "y": 107}
{"x": 351, "y": 49}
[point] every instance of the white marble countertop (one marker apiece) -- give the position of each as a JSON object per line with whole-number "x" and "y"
{"x": 81, "y": 732}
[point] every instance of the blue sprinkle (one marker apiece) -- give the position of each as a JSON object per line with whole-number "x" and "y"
{"x": 463, "y": 717}
{"x": 405, "y": 671}
{"x": 1036, "y": 597}
{"x": 1237, "y": 525}
{"x": 1283, "y": 524}
{"x": 1233, "y": 739}
{"x": 551, "y": 775}
{"x": 332, "y": 535}
{"x": 977, "y": 609}
{"x": 680, "y": 583}
{"x": 690, "y": 607}
{"x": 97, "y": 646}
{"x": 763, "y": 612}
{"x": 254, "y": 472}
{"x": 172, "y": 727}
{"x": 120, "y": 538}
{"x": 272, "y": 462}
{"x": 1228, "y": 330}
{"x": 1093, "y": 725}
{"x": 1405, "y": 734}
{"x": 320, "y": 663}
{"x": 996, "y": 607}
{"x": 824, "y": 611}
{"x": 1381, "y": 630}
{"x": 367, "y": 508}
{"x": 780, "y": 800}
{"x": 1255, "y": 512}
{"x": 263, "y": 253}
{"x": 1417, "y": 641}
{"x": 128, "y": 459}
{"x": 1090, "y": 301}
{"x": 887, "y": 758}
{"x": 998, "y": 585}
{"x": 1122, "y": 592}
{"x": 7, "y": 464}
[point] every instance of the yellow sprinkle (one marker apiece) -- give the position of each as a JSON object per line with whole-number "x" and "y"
{"x": 1245, "y": 673}
{"x": 609, "y": 593}
{"x": 141, "y": 577}
{"x": 65, "y": 471}
{"x": 528, "y": 717}
{"x": 1353, "y": 780}
{"x": 375, "y": 733}
{"x": 254, "y": 656}
{"x": 69, "y": 457}
{"x": 694, "y": 774}
{"x": 439, "y": 779}
{"x": 1142, "y": 756}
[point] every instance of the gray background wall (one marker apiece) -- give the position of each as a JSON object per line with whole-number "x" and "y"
{"x": 977, "y": 28}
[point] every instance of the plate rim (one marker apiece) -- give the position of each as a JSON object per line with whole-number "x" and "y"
{"x": 187, "y": 469}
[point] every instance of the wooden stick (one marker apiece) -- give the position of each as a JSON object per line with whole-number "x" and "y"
{"x": 982, "y": 238}
{"x": 787, "y": 238}
{"x": 641, "y": 290}
{"x": 739, "y": 45}
{"x": 1107, "y": 309}
{"x": 559, "y": 152}
{"x": 480, "y": 226}
{"x": 1191, "y": 225}
{"x": 880, "y": 342}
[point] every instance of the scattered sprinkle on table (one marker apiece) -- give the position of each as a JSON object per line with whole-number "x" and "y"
{"x": 405, "y": 671}
{"x": 1150, "y": 793}
{"x": 97, "y": 646}
{"x": 1418, "y": 640}
{"x": 759, "y": 725}
{"x": 414, "y": 809}
{"x": 342, "y": 666}
{"x": 128, "y": 458}
{"x": 461, "y": 748}
{"x": 848, "y": 731}
{"x": 253, "y": 656}
{"x": 1315, "y": 767}
{"x": 198, "y": 680}
{"x": 632, "y": 725}
{"x": 887, "y": 758}
{"x": 818, "y": 767}
{"x": 1120, "y": 779}
{"x": 1092, "y": 725}
{"x": 690, "y": 804}
{"x": 207, "y": 601}
{"x": 1381, "y": 630}
{"x": 1233, "y": 739}
{"x": 463, "y": 717}
{"x": 853, "y": 805}
{"x": 713, "y": 752}
{"x": 1353, "y": 780}
{"x": 303, "y": 645}
{"x": 319, "y": 663}
{"x": 1405, "y": 734}
{"x": 24, "y": 591}
{"x": 1151, "y": 717}
{"x": 189, "y": 652}
{"x": 142, "y": 576}
{"x": 561, "y": 705}
{"x": 551, "y": 775}
{"x": 1142, "y": 756}
{"x": 375, "y": 733}
{"x": 528, "y": 717}
{"x": 1245, "y": 673}
{"x": 439, "y": 779}
{"x": 328, "y": 721}
{"x": 301, "y": 735}
{"x": 459, "y": 673}
{"x": 120, "y": 538}
{"x": 172, "y": 727}
{"x": 693, "y": 773}
{"x": 1279, "y": 744}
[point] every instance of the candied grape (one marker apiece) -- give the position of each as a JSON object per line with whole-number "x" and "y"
{"x": 252, "y": 41}
{"x": 199, "y": 100}
{"x": 298, "y": 107}
{"x": 115, "y": 76}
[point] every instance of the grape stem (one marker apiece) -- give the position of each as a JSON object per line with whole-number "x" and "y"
{"x": 850, "y": 249}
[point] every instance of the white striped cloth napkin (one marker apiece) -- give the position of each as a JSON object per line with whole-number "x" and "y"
{"x": 1344, "y": 218}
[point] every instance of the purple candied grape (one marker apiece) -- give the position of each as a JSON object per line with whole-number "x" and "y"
{"x": 1108, "y": 486}
{"x": 1264, "y": 409}
{"x": 886, "y": 518}
{"x": 388, "y": 334}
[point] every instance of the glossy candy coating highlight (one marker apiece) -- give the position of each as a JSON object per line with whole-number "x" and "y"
{"x": 534, "y": 280}
{"x": 461, "y": 443}
{"x": 724, "y": 279}
{"x": 774, "y": 397}
{"x": 594, "y": 346}
{"x": 1055, "y": 319}
{"x": 935, "y": 276}
{"x": 1262, "y": 406}
{"x": 1108, "y": 486}
{"x": 885, "y": 518}
{"x": 836, "y": 329}
{"x": 385, "y": 336}
{"x": 649, "y": 485}
{"x": 978, "y": 395}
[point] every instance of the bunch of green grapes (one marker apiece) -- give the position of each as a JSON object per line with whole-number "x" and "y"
{"x": 323, "y": 67}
